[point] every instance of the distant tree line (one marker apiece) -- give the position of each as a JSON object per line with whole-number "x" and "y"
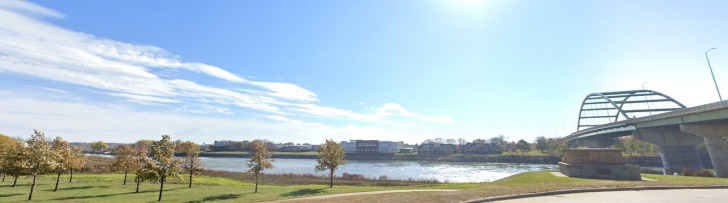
{"x": 495, "y": 145}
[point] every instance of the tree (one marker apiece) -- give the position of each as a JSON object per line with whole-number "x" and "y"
{"x": 124, "y": 160}
{"x": 462, "y": 141}
{"x": 99, "y": 146}
{"x": 501, "y": 141}
{"x": 523, "y": 146}
{"x": 555, "y": 146}
{"x": 330, "y": 156}
{"x": 541, "y": 143}
{"x": 41, "y": 158}
{"x": 191, "y": 162}
{"x": 140, "y": 160}
{"x": 64, "y": 156}
{"x": 7, "y": 145}
{"x": 178, "y": 144}
{"x": 144, "y": 143}
{"x": 15, "y": 161}
{"x": 163, "y": 163}
{"x": 76, "y": 161}
{"x": 259, "y": 160}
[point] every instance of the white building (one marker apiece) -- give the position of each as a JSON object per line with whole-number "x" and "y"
{"x": 390, "y": 147}
{"x": 349, "y": 146}
{"x": 366, "y": 146}
{"x": 222, "y": 143}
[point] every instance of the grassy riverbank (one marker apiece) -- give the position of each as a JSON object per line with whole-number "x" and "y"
{"x": 532, "y": 182}
{"x": 109, "y": 188}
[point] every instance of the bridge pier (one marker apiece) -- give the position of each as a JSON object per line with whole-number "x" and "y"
{"x": 678, "y": 149}
{"x": 715, "y": 140}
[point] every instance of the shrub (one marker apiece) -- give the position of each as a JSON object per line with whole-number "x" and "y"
{"x": 383, "y": 177}
{"x": 348, "y": 176}
{"x": 704, "y": 173}
{"x": 685, "y": 172}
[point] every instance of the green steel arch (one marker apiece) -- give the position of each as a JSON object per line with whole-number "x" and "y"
{"x": 607, "y": 107}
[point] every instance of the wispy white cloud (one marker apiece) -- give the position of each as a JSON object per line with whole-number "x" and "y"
{"x": 23, "y": 6}
{"x": 50, "y": 89}
{"x": 396, "y": 110}
{"x": 207, "y": 109}
{"x": 32, "y": 47}
{"x": 114, "y": 123}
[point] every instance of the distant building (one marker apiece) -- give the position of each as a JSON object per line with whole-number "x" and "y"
{"x": 222, "y": 143}
{"x": 371, "y": 146}
{"x": 229, "y": 145}
{"x": 296, "y": 148}
{"x": 406, "y": 150}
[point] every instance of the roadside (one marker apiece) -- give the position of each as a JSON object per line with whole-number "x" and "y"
{"x": 314, "y": 198}
{"x": 634, "y": 196}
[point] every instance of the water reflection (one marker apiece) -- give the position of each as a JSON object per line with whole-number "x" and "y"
{"x": 442, "y": 171}
{"x": 453, "y": 172}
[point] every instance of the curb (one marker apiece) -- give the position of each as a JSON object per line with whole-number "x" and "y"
{"x": 561, "y": 192}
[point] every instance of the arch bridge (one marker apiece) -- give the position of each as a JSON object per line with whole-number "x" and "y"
{"x": 656, "y": 118}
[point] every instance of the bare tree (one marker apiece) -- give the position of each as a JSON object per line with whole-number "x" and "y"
{"x": 191, "y": 162}
{"x": 41, "y": 158}
{"x": 462, "y": 141}
{"x": 330, "y": 156}
{"x": 259, "y": 160}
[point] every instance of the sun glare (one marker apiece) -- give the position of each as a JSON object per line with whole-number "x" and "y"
{"x": 469, "y": 2}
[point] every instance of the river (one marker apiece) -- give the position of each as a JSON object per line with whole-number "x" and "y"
{"x": 460, "y": 172}
{"x": 452, "y": 172}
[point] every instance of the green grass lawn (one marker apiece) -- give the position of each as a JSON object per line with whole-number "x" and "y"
{"x": 109, "y": 188}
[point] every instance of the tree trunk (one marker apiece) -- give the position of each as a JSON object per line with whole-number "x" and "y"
{"x": 190, "y": 178}
{"x": 137, "y": 180}
{"x": 58, "y": 178}
{"x": 161, "y": 186}
{"x": 71, "y": 179}
{"x": 256, "y": 183}
{"x": 4, "y": 177}
{"x": 32, "y": 186}
{"x": 125, "y": 172}
{"x": 15, "y": 181}
{"x": 331, "y": 178}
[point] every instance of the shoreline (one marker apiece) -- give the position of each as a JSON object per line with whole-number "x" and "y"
{"x": 643, "y": 161}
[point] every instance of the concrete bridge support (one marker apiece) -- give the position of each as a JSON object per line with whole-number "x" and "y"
{"x": 595, "y": 142}
{"x": 678, "y": 149}
{"x": 714, "y": 135}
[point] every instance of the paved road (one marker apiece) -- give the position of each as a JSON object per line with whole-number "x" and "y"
{"x": 361, "y": 193}
{"x": 666, "y": 196}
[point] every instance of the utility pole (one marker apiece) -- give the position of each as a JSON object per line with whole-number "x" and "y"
{"x": 711, "y": 73}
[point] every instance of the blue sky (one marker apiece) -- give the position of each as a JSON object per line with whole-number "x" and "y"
{"x": 303, "y": 71}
